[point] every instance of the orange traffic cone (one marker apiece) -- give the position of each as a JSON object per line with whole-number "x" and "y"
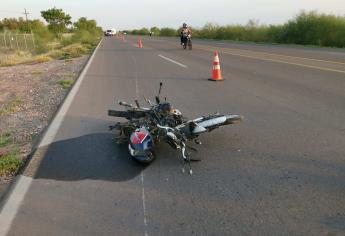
{"x": 216, "y": 73}
{"x": 140, "y": 43}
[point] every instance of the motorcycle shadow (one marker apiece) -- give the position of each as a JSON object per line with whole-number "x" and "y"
{"x": 93, "y": 156}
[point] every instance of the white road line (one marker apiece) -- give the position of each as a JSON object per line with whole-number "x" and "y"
{"x": 171, "y": 60}
{"x": 142, "y": 171}
{"x": 23, "y": 183}
{"x": 144, "y": 202}
{"x": 16, "y": 197}
{"x": 136, "y": 78}
{"x": 55, "y": 125}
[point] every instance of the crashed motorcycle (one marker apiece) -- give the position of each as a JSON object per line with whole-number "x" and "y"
{"x": 145, "y": 127}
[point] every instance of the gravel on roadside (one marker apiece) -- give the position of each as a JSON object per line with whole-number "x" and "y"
{"x": 29, "y": 97}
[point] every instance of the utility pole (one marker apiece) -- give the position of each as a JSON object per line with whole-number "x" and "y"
{"x": 26, "y": 17}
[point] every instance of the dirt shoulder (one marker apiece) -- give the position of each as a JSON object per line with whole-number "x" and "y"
{"x": 29, "y": 97}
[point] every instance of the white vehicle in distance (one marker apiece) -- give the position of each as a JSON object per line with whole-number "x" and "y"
{"x": 110, "y": 32}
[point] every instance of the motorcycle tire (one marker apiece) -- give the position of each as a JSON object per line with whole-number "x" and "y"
{"x": 184, "y": 46}
{"x": 190, "y": 45}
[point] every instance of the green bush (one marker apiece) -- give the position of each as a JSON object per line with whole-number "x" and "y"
{"x": 168, "y": 32}
{"x": 155, "y": 30}
{"x": 142, "y": 31}
{"x": 10, "y": 162}
{"x": 315, "y": 29}
{"x": 74, "y": 50}
{"x": 307, "y": 28}
{"x": 42, "y": 39}
{"x": 85, "y": 37}
{"x": 66, "y": 83}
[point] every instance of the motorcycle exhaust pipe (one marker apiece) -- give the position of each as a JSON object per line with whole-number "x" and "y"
{"x": 233, "y": 119}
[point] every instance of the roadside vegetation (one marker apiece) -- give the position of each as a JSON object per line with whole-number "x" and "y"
{"x": 306, "y": 28}
{"x": 59, "y": 39}
{"x": 10, "y": 159}
{"x": 10, "y": 162}
{"x": 33, "y": 42}
{"x": 11, "y": 107}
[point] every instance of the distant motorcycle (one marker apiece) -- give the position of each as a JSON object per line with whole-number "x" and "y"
{"x": 187, "y": 41}
{"x": 146, "y": 127}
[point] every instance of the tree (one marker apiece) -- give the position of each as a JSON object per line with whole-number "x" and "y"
{"x": 86, "y": 31}
{"x": 57, "y": 20}
{"x": 84, "y": 24}
{"x": 168, "y": 32}
{"x": 155, "y": 30}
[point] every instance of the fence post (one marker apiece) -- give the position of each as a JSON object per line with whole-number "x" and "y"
{"x": 5, "y": 39}
{"x": 17, "y": 41}
{"x": 26, "y": 46}
{"x": 33, "y": 39}
{"x": 9, "y": 36}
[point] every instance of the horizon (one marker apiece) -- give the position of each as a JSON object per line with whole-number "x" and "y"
{"x": 130, "y": 15}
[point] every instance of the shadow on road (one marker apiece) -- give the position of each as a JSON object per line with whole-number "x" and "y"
{"x": 94, "y": 156}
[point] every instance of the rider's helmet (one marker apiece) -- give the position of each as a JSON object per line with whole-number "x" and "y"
{"x": 184, "y": 25}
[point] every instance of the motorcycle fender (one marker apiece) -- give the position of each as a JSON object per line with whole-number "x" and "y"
{"x": 199, "y": 129}
{"x": 233, "y": 119}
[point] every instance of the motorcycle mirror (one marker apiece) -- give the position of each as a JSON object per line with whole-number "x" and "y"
{"x": 160, "y": 88}
{"x": 137, "y": 103}
{"x": 125, "y": 104}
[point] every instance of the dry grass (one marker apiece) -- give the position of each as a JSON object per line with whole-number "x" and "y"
{"x": 42, "y": 58}
{"x": 12, "y": 106}
{"x": 11, "y": 57}
{"x": 14, "y": 58}
{"x": 66, "y": 83}
{"x": 74, "y": 50}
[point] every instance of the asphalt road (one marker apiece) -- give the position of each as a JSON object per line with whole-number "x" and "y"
{"x": 280, "y": 172}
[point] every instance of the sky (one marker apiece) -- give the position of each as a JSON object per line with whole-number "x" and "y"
{"x": 130, "y": 14}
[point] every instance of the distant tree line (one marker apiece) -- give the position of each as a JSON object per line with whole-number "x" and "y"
{"x": 306, "y": 28}
{"x": 58, "y": 23}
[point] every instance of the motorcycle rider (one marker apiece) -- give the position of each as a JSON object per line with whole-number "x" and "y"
{"x": 185, "y": 30}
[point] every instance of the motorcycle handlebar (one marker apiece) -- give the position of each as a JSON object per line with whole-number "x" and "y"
{"x": 167, "y": 128}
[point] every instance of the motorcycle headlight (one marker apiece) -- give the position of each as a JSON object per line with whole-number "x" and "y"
{"x": 176, "y": 112}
